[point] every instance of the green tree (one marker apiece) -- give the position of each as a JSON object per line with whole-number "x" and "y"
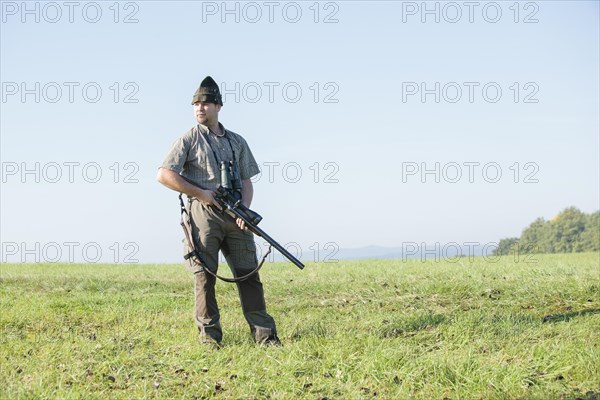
{"x": 534, "y": 239}
{"x": 590, "y": 237}
{"x": 570, "y": 231}
{"x": 505, "y": 246}
{"x": 565, "y": 230}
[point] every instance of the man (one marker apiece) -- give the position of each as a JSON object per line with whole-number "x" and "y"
{"x": 192, "y": 167}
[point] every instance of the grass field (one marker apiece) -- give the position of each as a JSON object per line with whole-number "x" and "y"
{"x": 351, "y": 330}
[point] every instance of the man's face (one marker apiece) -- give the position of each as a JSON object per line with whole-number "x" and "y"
{"x": 206, "y": 113}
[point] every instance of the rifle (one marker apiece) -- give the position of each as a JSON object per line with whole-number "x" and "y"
{"x": 231, "y": 202}
{"x": 229, "y": 197}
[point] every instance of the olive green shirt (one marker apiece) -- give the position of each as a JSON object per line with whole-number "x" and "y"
{"x": 192, "y": 157}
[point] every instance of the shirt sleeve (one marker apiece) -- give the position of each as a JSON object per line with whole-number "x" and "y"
{"x": 177, "y": 155}
{"x": 248, "y": 165}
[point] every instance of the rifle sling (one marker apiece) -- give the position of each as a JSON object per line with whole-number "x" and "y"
{"x": 186, "y": 220}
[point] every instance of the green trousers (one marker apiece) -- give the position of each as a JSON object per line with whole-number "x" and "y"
{"x": 212, "y": 231}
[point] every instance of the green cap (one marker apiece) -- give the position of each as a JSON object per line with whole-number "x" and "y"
{"x": 208, "y": 92}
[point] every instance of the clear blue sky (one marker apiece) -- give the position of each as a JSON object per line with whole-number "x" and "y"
{"x": 364, "y": 126}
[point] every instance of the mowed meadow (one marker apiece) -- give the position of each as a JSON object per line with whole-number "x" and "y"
{"x": 508, "y": 328}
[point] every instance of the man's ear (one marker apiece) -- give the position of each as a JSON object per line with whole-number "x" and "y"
{"x": 218, "y": 106}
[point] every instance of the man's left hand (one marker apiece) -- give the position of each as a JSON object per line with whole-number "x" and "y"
{"x": 240, "y": 222}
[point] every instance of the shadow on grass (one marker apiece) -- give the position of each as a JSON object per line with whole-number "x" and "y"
{"x": 590, "y": 395}
{"x": 413, "y": 325}
{"x": 569, "y": 315}
{"x": 319, "y": 330}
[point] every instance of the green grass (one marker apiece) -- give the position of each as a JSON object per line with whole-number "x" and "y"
{"x": 351, "y": 330}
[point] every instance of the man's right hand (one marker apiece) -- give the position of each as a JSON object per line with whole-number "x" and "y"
{"x": 208, "y": 197}
{"x": 174, "y": 181}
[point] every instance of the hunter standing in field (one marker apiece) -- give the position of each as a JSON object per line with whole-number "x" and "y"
{"x": 192, "y": 167}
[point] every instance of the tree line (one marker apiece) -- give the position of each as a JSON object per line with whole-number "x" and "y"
{"x": 571, "y": 231}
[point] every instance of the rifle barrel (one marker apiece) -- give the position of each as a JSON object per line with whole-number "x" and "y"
{"x": 279, "y": 247}
{"x": 230, "y": 203}
{"x": 259, "y": 232}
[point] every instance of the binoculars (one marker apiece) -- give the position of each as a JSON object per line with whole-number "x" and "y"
{"x": 230, "y": 176}
{"x": 229, "y": 194}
